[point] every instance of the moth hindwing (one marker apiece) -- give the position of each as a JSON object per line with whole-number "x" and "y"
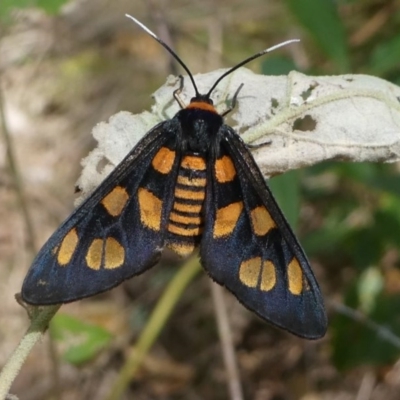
{"x": 190, "y": 182}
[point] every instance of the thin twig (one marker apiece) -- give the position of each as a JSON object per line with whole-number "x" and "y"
{"x": 14, "y": 172}
{"x": 366, "y": 387}
{"x": 381, "y": 331}
{"x": 225, "y": 337}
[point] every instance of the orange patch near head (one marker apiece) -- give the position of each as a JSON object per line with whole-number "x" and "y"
{"x": 224, "y": 169}
{"x": 202, "y": 105}
{"x": 268, "y": 276}
{"x": 94, "y": 254}
{"x": 261, "y": 220}
{"x": 150, "y": 209}
{"x": 295, "y": 277}
{"x": 67, "y": 247}
{"x": 114, "y": 254}
{"x": 226, "y": 219}
{"x": 193, "y": 162}
{"x": 163, "y": 160}
{"x": 249, "y": 272}
{"x": 115, "y": 201}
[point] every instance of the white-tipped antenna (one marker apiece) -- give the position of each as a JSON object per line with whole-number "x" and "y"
{"x": 247, "y": 60}
{"x": 277, "y": 46}
{"x": 261, "y": 53}
{"x": 152, "y": 34}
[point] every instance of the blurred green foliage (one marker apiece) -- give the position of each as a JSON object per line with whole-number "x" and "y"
{"x": 79, "y": 341}
{"x": 51, "y": 7}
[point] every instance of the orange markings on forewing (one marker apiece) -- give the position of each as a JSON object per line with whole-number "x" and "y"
{"x": 189, "y": 194}
{"x": 202, "y": 105}
{"x": 262, "y": 221}
{"x": 268, "y": 276}
{"x": 183, "y": 219}
{"x": 163, "y": 160}
{"x": 190, "y": 208}
{"x": 197, "y": 182}
{"x": 193, "y": 162}
{"x": 183, "y": 249}
{"x": 114, "y": 255}
{"x": 249, "y": 271}
{"x": 224, "y": 169}
{"x": 115, "y": 201}
{"x": 150, "y": 209}
{"x": 226, "y": 219}
{"x": 67, "y": 247}
{"x": 295, "y": 277}
{"x": 185, "y": 231}
{"x": 95, "y": 254}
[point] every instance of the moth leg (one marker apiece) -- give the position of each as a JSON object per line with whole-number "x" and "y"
{"x": 233, "y": 102}
{"x": 178, "y": 91}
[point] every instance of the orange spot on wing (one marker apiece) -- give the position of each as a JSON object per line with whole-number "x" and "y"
{"x": 295, "y": 277}
{"x": 150, "y": 209}
{"x": 67, "y": 247}
{"x": 249, "y": 271}
{"x": 226, "y": 219}
{"x": 115, "y": 201}
{"x": 268, "y": 276}
{"x": 163, "y": 160}
{"x": 94, "y": 254}
{"x": 261, "y": 220}
{"x": 114, "y": 254}
{"x": 224, "y": 169}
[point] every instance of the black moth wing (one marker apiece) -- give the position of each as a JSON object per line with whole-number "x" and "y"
{"x": 251, "y": 263}
{"x": 104, "y": 241}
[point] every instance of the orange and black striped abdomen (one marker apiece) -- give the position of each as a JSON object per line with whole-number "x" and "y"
{"x": 185, "y": 224}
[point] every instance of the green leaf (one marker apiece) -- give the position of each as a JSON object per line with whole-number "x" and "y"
{"x": 386, "y": 57}
{"x": 6, "y": 7}
{"x": 287, "y": 193}
{"x": 79, "y": 341}
{"x": 51, "y": 7}
{"x": 321, "y": 19}
{"x": 355, "y": 343}
{"x": 277, "y": 66}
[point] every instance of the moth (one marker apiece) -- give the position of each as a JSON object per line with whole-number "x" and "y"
{"x": 191, "y": 182}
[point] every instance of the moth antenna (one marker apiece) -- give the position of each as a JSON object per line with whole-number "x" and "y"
{"x": 152, "y": 34}
{"x": 247, "y": 60}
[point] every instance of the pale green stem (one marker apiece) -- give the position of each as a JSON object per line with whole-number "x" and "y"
{"x": 154, "y": 326}
{"x": 41, "y": 317}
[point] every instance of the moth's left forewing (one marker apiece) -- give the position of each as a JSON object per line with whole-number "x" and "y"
{"x": 249, "y": 247}
{"x": 118, "y": 232}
